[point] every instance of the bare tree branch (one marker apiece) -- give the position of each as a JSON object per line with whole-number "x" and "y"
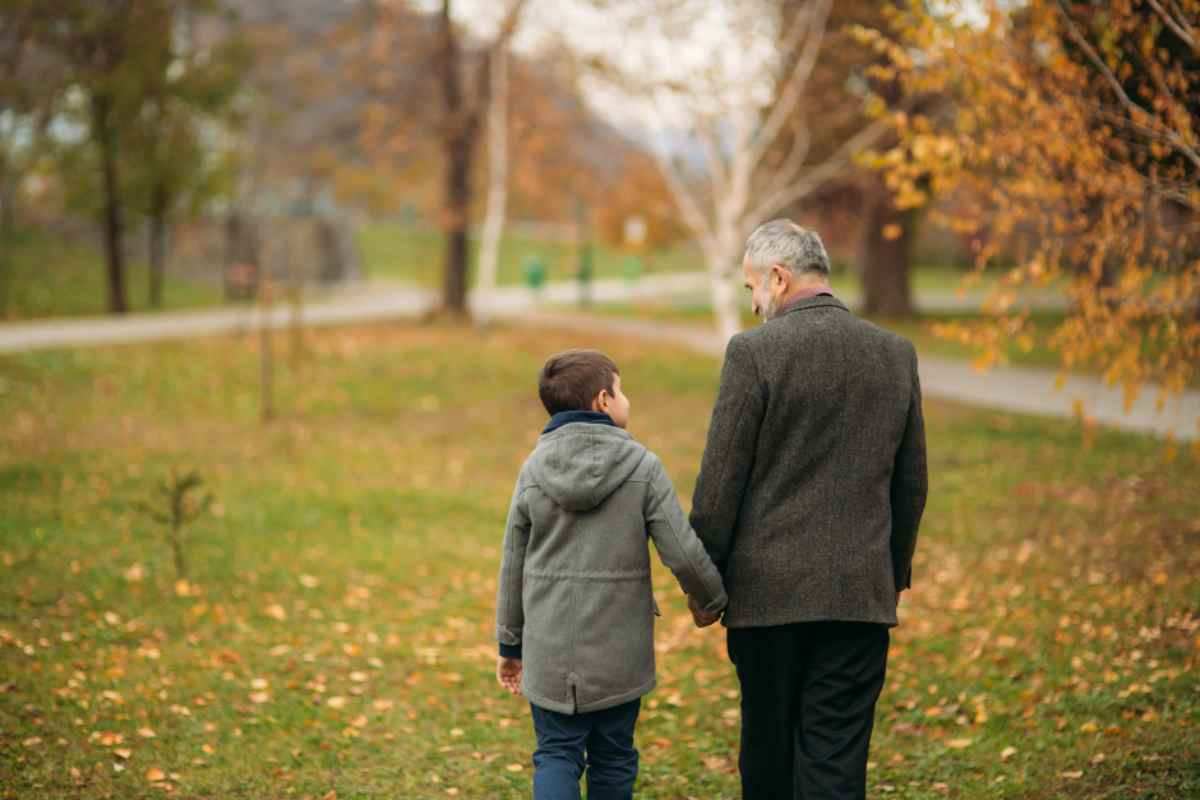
{"x": 790, "y": 168}
{"x": 815, "y": 17}
{"x": 1181, "y": 28}
{"x": 692, "y": 214}
{"x": 1135, "y": 111}
{"x": 824, "y": 172}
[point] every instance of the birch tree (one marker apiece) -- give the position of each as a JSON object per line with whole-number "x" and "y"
{"x": 747, "y": 120}
{"x": 497, "y": 197}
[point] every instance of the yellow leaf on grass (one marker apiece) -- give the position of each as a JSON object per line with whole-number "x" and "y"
{"x": 155, "y": 775}
{"x": 515, "y": 767}
{"x": 958, "y": 744}
{"x": 276, "y": 611}
{"x": 1072, "y": 775}
{"x": 1091, "y": 726}
{"x": 1007, "y": 753}
{"x": 123, "y": 753}
{"x": 146, "y": 733}
{"x": 336, "y": 702}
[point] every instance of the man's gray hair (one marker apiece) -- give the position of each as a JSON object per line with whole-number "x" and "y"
{"x": 782, "y": 241}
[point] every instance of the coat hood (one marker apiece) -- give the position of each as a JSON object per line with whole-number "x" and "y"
{"x": 580, "y": 464}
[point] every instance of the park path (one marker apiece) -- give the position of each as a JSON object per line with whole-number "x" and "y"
{"x": 1006, "y": 388}
{"x": 1022, "y": 389}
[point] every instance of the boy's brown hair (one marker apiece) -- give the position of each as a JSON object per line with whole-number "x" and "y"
{"x": 571, "y": 380}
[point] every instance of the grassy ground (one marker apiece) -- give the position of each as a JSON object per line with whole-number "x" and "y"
{"x": 401, "y": 252}
{"x": 41, "y": 276}
{"x": 334, "y": 637}
{"x": 391, "y": 250}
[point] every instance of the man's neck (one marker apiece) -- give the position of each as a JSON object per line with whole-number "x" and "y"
{"x": 804, "y": 291}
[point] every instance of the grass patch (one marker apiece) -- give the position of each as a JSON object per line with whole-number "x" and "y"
{"x": 42, "y": 275}
{"x": 335, "y": 634}
{"x": 413, "y": 254}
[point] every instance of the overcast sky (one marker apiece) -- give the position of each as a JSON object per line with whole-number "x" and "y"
{"x": 714, "y": 44}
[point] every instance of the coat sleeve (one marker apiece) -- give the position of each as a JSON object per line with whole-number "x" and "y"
{"x": 910, "y": 486}
{"x": 729, "y": 453}
{"x": 677, "y": 544}
{"x": 510, "y": 614}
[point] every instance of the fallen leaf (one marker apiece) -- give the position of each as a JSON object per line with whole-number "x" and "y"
{"x": 336, "y": 702}
{"x": 515, "y": 767}
{"x": 1007, "y": 753}
{"x": 123, "y": 753}
{"x": 146, "y": 733}
{"x": 1072, "y": 775}
{"x": 958, "y": 744}
{"x": 155, "y": 775}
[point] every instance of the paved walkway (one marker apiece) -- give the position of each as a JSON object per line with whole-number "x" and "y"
{"x": 1006, "y": 388}
{"x": 1019, "y": 389}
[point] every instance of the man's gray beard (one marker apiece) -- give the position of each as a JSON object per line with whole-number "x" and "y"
{"x": 770, "y": 309}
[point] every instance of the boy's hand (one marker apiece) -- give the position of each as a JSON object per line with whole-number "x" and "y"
{"x": 508, "y": 672}
{"x": 701, "y": 617}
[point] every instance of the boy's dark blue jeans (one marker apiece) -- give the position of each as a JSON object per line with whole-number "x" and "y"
{"x": 600, "y": 740}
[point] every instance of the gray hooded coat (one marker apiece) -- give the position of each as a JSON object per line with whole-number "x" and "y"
{"x": 574, "y": 588}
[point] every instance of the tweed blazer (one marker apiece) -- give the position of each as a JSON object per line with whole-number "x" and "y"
{"x": 814, "y": 475}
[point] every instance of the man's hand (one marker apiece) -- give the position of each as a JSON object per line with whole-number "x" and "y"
{"x": 508, "y": 673}
{"x": 701, "y": 617}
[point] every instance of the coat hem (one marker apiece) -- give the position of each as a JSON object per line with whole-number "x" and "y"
{"x": 789, "y": 619}
{"x": 596, "y": 705}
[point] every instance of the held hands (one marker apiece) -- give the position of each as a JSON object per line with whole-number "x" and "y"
{"x": 701, "y": 617}
{"x": 508, "y": 673}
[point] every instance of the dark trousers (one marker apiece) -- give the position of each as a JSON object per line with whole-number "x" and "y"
{"x": 600, "y": 740}
{"x": 808, "y": 705}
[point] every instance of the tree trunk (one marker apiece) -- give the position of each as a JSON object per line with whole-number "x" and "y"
{"x": 105, "y": 139}
{"x": 457, "y": 206}
{"x": 885, "y": 255}
{"x": 158, "y": 244}
{"x": 493, "y": 223}
{"x": 459, "y": 123}
{"x": 722, "y": 288}
{"x": 8, "y": 200}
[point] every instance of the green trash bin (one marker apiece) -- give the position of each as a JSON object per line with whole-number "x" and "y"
{"x": 533, "y": 271}
{"x": 587, "y": 271}
{"x": 633, "y": 269}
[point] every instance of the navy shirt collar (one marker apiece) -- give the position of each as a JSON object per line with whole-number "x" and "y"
{"x": 567, "y": 417}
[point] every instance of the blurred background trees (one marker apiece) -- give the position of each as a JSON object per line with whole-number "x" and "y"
{"x": 202, "y": 142}
{"x": 1073, "y": 148}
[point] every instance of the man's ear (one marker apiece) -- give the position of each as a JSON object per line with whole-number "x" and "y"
{"x": 782, "y": 274}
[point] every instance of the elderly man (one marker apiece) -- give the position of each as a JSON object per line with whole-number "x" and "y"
{"x": 810, "y": 493}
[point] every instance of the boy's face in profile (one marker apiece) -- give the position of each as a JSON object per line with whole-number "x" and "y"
{"x": 615, "y": 404}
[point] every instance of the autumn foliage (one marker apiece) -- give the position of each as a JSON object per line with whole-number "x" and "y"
{"x": 1069, "y": 141}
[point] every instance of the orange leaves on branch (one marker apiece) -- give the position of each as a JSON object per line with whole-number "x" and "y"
{"x": 1066, "y": 142}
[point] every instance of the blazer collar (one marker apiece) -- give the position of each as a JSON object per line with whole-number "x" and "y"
{"x": 820, "y": 301}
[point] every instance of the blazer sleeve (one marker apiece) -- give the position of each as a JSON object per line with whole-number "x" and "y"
{"x": 510, "y": 613}
{"x": 729, "y": 453}
{"x": 678, "y": 546}
{"x": 910, "y": 486}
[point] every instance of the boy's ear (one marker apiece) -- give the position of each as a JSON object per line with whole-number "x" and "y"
{"x": 600, "y": 400}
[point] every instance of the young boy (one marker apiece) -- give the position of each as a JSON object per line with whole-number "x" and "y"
{"x": 575, "y": 610}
